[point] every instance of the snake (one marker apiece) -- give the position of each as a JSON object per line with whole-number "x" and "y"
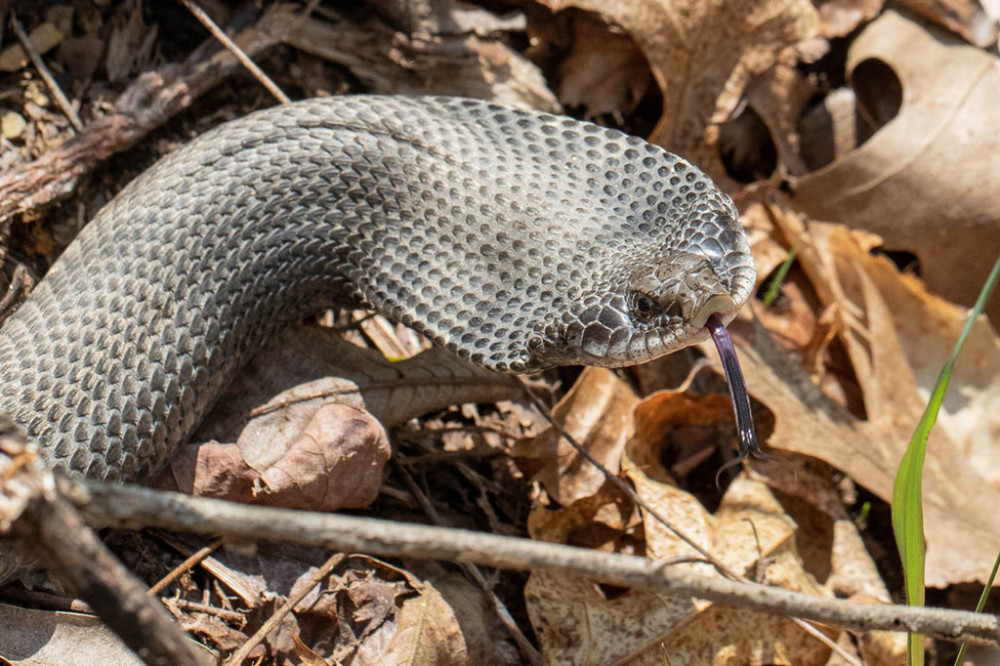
{"x": 518, "y": 240}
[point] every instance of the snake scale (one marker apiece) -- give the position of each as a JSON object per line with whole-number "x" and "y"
{"x": 517, "y": 240}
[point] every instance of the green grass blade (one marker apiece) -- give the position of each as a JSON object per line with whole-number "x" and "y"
{"x": 907, "y": 506}
{"x": 979, "y": 606}
{"x": 779, "y": 277}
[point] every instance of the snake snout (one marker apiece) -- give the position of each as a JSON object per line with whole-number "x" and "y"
{"x": 687, "y": 288}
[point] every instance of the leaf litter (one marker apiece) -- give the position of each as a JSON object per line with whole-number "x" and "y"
{"x": 838, "y": 369}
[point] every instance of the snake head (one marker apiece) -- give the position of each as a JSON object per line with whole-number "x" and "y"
{"x": 660, "y": 306}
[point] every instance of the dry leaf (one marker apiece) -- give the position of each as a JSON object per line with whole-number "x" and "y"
{"x": 876, "y": 309}
{"x": 703, "y": 55}
{"x": 696, "y": 424}
{"x": 427, "y": 632}
{"x": 377, "y": 613}
{"x": 838, "y": 18}
{"x": 579, "y": 622}
{"x": 336, "y": 462}
{"x": 305, "y": 367}
{"x": 29, "y": 636}
{"x": 927, "y": 181}
{"x": 604, "y": 73}
{"x": 968, "y": 18}
{"x": 597, "y": 413}
{"x": 605, "y": 521}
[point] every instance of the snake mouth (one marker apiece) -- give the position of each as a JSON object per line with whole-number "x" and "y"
{"x": 721, "y": 305}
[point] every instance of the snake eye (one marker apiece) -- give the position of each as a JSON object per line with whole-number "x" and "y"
{"x": 643, "y": 307}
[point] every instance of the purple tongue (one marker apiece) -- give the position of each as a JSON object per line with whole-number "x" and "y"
{"x": 737, "y": 390}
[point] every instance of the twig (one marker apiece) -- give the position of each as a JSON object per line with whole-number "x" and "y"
{"x": 134, "y": 507}
{"x": 46, "y": 75}
{"x": 194, "y": 559}
{"x": 237, "y": 52}
{"x": 233, "y": 617}
{"x": 236, "y": 659}
{"x": 47, "y": 525}
{"x": 146, "y": 104}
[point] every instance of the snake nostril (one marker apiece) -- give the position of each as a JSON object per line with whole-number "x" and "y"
{"x": 674, "y": 310}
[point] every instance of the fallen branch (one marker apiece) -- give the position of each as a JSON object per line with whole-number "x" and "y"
{"x": 134, "y": 508}
{"x": 49, "y": 528}
{"x": 151, "y": 100}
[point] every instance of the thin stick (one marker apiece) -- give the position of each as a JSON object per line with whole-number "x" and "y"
{"x": 46, "y": 75}
{"x": 237, "y": 52}
{"x": 134, "y": 507}
{"x": 197, "y": 557}
{"x": 237, "y": 658}
{"x": 51, "y": 528}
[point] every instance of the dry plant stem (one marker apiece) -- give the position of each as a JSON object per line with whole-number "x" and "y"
{"x": 44, "y": 600}
{"x": 49, "y": 527}
{"x": 627, "y": 489}
{"x": 849, "y": 659}
{"x": 237, "y": 52}
{"x": 189, "y": 563}
{"x": 146, "y": 104}
{"x": 237, "y": 658}
{"x": 135, "y": 507}
{"x": 528, "y": 651}
{"x": 46, "y": 75}
{"x": 233, "y": 617}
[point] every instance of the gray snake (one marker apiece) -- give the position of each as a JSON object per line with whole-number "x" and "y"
{"x": 517, "y": 240}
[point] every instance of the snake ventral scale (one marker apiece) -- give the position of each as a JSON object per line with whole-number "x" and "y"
{"x": 517, "y": 240}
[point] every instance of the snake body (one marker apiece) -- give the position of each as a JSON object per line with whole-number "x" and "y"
{"x": 517, "y": 240}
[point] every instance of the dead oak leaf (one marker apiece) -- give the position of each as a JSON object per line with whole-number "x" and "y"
{"x": 702, "y": 56}
{"x": 597, "y": 413}
{"x": 897, "y": 337}
{"x": 927, "y": 180}
{"x": 579, "y": 622}
{"x": 336, "y": 462}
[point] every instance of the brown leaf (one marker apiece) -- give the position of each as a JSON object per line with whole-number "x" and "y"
{"x": 932, "y": 173}
{"x": 897, "y": 337}
{"x": 604, "y": 73}
{"x": 597, "y": 413}
{"x": 377, "y": 613}
{"x": 696, "y": 423}
{"x": 839, "y": 18}
{"x": 336, "y": 462}
{"x": 305, "y": 367}
{"x": 33, "y": 636}
{"x": 968, "y": 18}
{"x": 579, "y": 622}
{"x": 703, "y": 55}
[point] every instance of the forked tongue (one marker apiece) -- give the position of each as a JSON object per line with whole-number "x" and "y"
{"x": 737, "y": 391}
